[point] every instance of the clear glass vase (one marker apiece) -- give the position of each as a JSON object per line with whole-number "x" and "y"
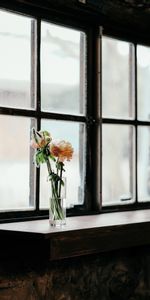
{"x": 57, "y": 211}
{"x": 57, "y": 206}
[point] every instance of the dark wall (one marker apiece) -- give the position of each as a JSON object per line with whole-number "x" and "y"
{"x": 123, "y": 275}
{"x": 131, "y": 17}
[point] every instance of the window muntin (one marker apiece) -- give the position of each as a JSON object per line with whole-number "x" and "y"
{"x": 62, "y": 69}
{"x": 144, "y": 163}
{"x": 143, "y": 77}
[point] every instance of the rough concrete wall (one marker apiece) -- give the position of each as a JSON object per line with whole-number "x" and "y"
{"x": 113, "y": 276}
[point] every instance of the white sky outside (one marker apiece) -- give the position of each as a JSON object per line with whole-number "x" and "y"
{"x": 143, "y": 53}
{"x": 15, "y": 51}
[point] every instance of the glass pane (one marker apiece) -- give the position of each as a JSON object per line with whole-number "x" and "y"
{"x": 63, "y": 80}
{"x": 144, "y": 163}
{"x": 117, "y": 79}
{"x": 15, "y": 170}
{"x": 118, "y": 164}
{"x": 74, "y": 169}
{"x": 143, "y": 69}
{"x": 15, "y": 61}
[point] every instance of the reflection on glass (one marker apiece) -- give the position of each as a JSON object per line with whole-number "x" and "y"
{"x": 143, "y": 69}
{"x": 15, "y": 171}
{"x": 15, "y": 61}
{"x": 118, "y": 164}
{"x": 75, "y": 169}
{"x": 62, "y": 69}
{"x": 144, "y": 163}
{"x": 117, "y": 79}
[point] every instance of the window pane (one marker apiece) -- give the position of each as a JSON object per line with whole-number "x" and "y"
{"x": 75, "y": 169}
{"x": 144, "y": 163}
{"x": 143, "y": 68}
{"x": 15, "y": 171}
{"x": 118, "y": 164}
{"x": 117, "y": 78}
{"x": 15, "y": 61}
{"x": 62, "y": 69}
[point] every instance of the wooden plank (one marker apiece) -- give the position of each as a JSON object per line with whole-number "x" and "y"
{"x": 81, "y": 236}
{"x": 99, "y": 240}
{"x": 107, "y": 220}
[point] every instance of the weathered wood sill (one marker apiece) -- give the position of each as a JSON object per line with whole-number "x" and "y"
{"x": 81, "y": 236}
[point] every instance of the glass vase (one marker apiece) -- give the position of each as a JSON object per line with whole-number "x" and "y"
{"x": 57, "y": 207}
{"x": 57, "y": 211}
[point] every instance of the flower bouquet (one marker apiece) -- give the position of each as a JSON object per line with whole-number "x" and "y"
{"x": 53, "y": 154}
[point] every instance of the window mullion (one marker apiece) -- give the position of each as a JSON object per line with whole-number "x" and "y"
{"x": 100, "y": 110}
{"x": 38, "y": 68}
{"x": 33, "y": 63}
{"x": 131, "y": 112}
{"x": 32, "y": 171}
{"x": 97, "y": 122}
{"x": 38, "y": 101}
{"x": 136, "y": 128}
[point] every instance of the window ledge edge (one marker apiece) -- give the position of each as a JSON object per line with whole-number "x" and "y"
{"x": 81, "y": 236}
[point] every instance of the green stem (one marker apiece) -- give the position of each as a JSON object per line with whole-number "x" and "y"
{"x": 49, "y": 166}
{"x": 54, "y": 189}
{"x": 57, "y": 165}
{"x": 54, "y": 192}
{"x": 55, "y": 204}
{"x": 59, "y": 191}
{"x": 57, "y": 209}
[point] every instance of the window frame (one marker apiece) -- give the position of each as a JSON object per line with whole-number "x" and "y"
{"x": 136, "y": 205}
{"x": 38, "y": 115}
{"x": 93, "y": 190}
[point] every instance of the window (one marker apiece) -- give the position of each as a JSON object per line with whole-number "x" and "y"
{"x": 125, "y": 123}
{"x": 42, "y": 85}
{"x": 48, "y": 80}
{"x": 15, "y": 96}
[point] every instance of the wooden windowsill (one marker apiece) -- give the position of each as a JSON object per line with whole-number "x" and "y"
{"x": 82, "y": 235}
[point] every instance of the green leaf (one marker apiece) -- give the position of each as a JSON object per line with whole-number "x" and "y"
{"x": 46, "y": 133}
{"x": 52, "y": 157}
{"x": 40, "y": 157}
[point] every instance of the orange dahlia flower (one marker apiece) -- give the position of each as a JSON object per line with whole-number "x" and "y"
{"x": 63, "y": 150}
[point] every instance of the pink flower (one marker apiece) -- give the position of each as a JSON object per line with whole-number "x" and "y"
{"x": 40, "y": 139}
{"x": 63, "y": 150}
{"x": 34, "y": 145}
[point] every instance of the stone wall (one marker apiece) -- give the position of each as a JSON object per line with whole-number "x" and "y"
{"x": 123, "y": 275}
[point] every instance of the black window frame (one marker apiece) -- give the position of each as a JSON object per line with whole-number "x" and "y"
{"x": 93, "y": 118}
{"x": 38, "y": 114}
{"x": 135, "y": 122}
